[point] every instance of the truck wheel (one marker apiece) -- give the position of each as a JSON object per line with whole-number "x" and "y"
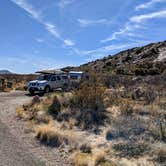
{"x": 47, "y": 89}
{"x": 31, "y": 92}
{"x": 65, "y": 87}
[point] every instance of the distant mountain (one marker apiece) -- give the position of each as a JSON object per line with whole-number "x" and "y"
{"x": 143, "y": 61}
{"x": 5, "y": 72}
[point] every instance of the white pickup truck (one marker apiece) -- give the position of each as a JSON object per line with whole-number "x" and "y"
{"x": 48, "y": 81}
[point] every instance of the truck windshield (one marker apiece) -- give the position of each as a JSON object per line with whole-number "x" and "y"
{"x": 44, "y": 77}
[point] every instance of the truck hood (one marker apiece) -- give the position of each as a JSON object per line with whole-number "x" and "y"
{"x": 37, "y": 81}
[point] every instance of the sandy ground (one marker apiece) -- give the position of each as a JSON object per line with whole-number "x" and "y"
{"x": 18, "y": 146}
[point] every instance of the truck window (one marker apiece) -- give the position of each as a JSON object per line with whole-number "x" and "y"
{"x": 53, "y": 78}
{"x": 43, "y": 77}
{"x": 58, "y": 78}
{"x": 64, "y": 77}
{"x": 73, "y": 77}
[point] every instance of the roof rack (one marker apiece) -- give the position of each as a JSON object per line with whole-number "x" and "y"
{"x": 51, "y": 72}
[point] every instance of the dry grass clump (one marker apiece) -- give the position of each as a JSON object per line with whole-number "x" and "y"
{"x": 111, "y": 98}
{"x": 20, "y": 85}
{"x": 35, "y": 110}
{"x": 35, "y": 100}
{"x": 52, "y": 135}
{"x": 126, "y": 108}
{"x": 85, "y": 148}
{"x": 20, "y": 113}
{"x": 82, "y": 159}
{"x": 96, "y": 158}
{"x": 99, "y": 157}
{"x": 161, "y": 155}
{"x": 158, "y": 128}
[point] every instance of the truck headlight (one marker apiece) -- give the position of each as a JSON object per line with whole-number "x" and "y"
{"x": 42, "y": 84}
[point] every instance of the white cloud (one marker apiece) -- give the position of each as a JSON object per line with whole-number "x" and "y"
{"x": 144, "y": 17}
{"x": 28, "y": 8}
{"x": 126, "y": 30}
{"x": 37, "y": 15}
{"x": 69, "y": 42}
{"x": 148, "y": 4}
{"x": 39, "y": 40}
{"x": 85, "y": 22}
{"x": 102, "y": 50}
{"x": 64, "y": 3}
{"x": 52, "y": 30}
{"x": 135, "y": 22}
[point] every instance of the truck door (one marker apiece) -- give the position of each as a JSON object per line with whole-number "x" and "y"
{"x": 59, "y": 81}
{"x": 53, "y": 82}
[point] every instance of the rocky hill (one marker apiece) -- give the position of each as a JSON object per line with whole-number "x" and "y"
{"x": 143, "y": 61}
{"x": 5, "y": 72}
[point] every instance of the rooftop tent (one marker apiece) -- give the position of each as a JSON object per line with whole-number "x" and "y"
{"x": 50, "y": 72}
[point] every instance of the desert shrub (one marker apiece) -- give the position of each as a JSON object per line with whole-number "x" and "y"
{"x": 131, "y": 149}
{"x": 99, "y": 158}
{"x": 159, "y": 129}
{"x": 111, "y": 98}
{"x": 162, "y": 130}
{"x": 110, "y": 134}
{"x": 125, "y": 94}
{"x": 55, "y": 107}
{"x": 150, "y": 95}
{"x": 160, "y": 156}
{"x": 53, "y": 136}
{"x": 49, "y": 138}
{"x": 126, "y": 109}
{"x": 81, "y": 159}
{"x": 35, "y": 100}
{"x": 93, "y": 159}
{"x": 122, "y": 71}
{"x": 128, "y": 128}
{"x": 111, "y": 80}
{"x": 20, "y": 113}
{"x": 90, "y": 119}
{"x": 153, "y": 71}
{"x": 140, "y": 71}
{"x": 107, "y": 163}
{"x": 89, "y": 95}
{"x": 85, "y": 148}
{"x": 86, "y": 119}
{"x": 137, "y": 94}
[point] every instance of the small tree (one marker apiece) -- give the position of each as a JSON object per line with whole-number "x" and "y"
{"x": 90, "y": 94}
{"x": 55, "y": 107}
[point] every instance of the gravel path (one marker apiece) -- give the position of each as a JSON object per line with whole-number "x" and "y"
{"x": 18, "y": 146}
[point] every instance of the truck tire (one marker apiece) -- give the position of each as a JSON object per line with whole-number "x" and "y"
{"x": 31, "y": 92}
{"x": 65, "y": 87}
{"x": 47, "y": 89}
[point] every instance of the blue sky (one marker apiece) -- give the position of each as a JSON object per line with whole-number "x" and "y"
{"x": 43, "y": 34}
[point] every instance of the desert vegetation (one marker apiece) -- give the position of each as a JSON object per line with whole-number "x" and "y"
{"x": 10, "y": 82}
{"x": 116, "y": 116}
{"x": 122, "y": 123}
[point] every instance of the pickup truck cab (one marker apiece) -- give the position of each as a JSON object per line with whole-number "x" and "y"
{"x": 48, "y": 81}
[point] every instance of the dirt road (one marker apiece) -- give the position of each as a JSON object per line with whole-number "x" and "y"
{"x": 18, "y": 146}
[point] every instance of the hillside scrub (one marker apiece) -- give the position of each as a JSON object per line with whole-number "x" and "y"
{"x": 86, "y": 105}
{"x": 125, "y": 121}
{"x": 15, "y": 82}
